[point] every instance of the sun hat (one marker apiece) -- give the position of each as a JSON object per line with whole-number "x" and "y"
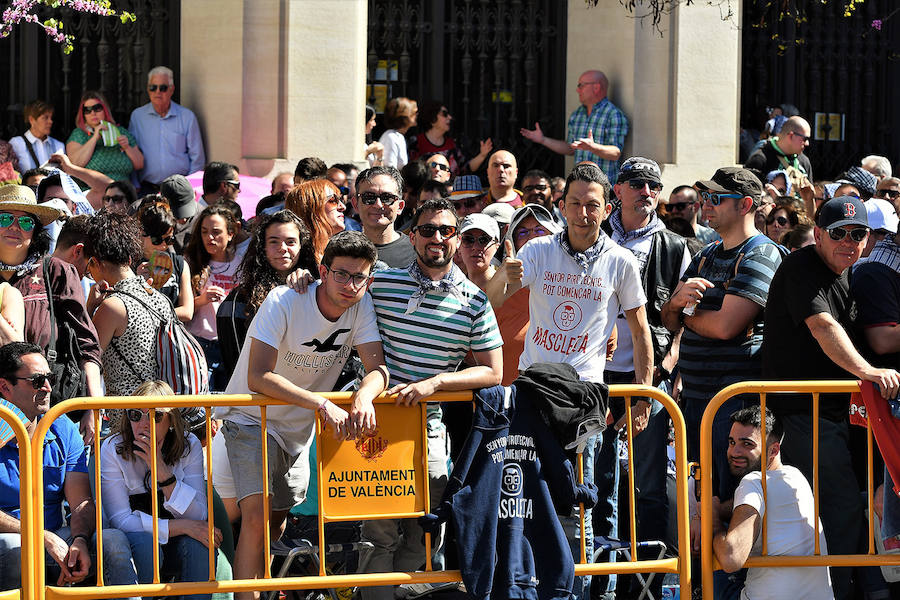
{"x": 21, "y": 198}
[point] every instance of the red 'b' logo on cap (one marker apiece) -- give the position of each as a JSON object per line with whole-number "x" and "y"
{"x": 849, "y": 209}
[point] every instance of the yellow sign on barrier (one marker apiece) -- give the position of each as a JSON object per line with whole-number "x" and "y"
{"x": 375, "y": 474}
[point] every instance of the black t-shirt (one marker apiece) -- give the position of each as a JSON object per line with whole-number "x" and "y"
{"x": 804, "y": 286}
{"x": 876, "y": 289}
{"x": 767, "y": 159}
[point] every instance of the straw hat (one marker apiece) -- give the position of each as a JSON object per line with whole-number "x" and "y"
{"x": 21, "y": 198}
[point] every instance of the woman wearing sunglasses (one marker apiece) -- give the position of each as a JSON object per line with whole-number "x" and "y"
{"x": 782, "y": 220}
{"x": 168, "y": 272}
{"x": 435, "y": 119}
{"x": 99, "y": 144}
{"x": 126, "y": 489}
{"x": 320, "y": 206}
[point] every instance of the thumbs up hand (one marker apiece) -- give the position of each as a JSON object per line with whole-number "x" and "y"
{"x": 511, "y": 269}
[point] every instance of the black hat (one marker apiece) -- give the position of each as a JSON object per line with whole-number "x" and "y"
{"x": 734, "y": 180}
{"x": 178, "y": 191}
{"x": 843, "y": 210}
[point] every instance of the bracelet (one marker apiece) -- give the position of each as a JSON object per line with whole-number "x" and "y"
{"x": 87, "y": 542}
{"x": 167, "y": 482}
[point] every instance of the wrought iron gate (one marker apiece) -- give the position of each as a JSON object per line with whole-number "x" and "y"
{"x": 108, "y": 56}
{"x": 498, "y": 65}
{"x": 826, "y": 63}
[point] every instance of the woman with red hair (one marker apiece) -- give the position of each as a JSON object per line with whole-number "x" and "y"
{"x": 318, "y": 203}
{"x": 98, "y": 143}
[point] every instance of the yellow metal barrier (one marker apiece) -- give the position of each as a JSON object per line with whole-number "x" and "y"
{"x": 679, "y": 565}
{"x": 762, "y": 388}
{"x": 27, "y": 517}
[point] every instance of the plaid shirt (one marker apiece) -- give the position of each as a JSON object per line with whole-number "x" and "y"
{"x": 607, "y": 124}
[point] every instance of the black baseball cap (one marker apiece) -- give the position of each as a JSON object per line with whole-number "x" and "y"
{"x": 843, "y": 210}
{"x": 733, "y": 180}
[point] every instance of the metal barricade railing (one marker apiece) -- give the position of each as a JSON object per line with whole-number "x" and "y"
{"x": 31, "y": 525}
{"x": 762, "y": 389}
{"x": 679, "y": 565}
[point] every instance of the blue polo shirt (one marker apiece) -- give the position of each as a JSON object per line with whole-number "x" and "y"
{"x": 64, "y": 453}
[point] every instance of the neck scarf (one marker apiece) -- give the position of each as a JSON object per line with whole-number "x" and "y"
{"x": 448, "y": 284}
{"x": 584, "y": 259}
{"x": 26, "y": 267}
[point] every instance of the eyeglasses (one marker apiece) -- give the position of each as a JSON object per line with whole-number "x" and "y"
{"x": 114, "y": 199}
{"x": 541, "y": 187}
{"x": 439, "y": 166}
{"x": 469, "y": 203}
{"x": 638, "y": 184}
{"x": 135, "y": 415}
{"x": 86, "y": 110}
{"x": 342, "y": 277}
{"x": 162, "y": 87}
{"x": 525, "y": 232}
{"x": 781, "y": 220}
{"x": 889, "y": 194}
{"x": 233, "y": 183}
{"x": 428, "y": 231}
{"x": 582, "y": 84}
{"x": 678, "y": 206}
{"x": 157, "y": 240}
{"x": 444, "y": 112}
{"x": 26, "y": 222}
{"x": 482, "y": 240}
{"x": 716, "y": 199}
{"x": 856, "y": 234}
{"x": 37, "y": 380}
{"x": 370, "y": 198}
{"x": 345, "y": 191}
{"x": 805, "y": 138}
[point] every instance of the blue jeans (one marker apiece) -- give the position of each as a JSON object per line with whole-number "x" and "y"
{"x": 218, "y": 376}
{"x": 572, "y": 525}
{"x": 184, "y": 551}
{"x": 117, "y": 567}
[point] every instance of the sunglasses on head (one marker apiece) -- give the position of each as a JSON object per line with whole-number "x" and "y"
{"x": 469, "y": 203}
{"x": 428, "y": 231}
{"x": 439, "y": 166}
{"x": 638, "y": 184}
{"x": 135, "y": 415}
{"x": 37, "y": 380}
{"x": 164, "y": 87}
{"x": 716, "y": 199}
{"x": 482, "y": 240}
{"x": 370, "y": 198}
{"x": 857, "y": 234}
{"x": 26, "y": 222}
{"x": 97, "y": 108}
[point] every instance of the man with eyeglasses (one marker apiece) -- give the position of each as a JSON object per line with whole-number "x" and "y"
{"x": 167, "y": 133}
{"x": 221, "y": 181}
{"x": 597, "y": 128}
{"x": 684, "y": 203}
{"x": 720, "y": 303}
{"x": 296, "y": 344}
{"x": 438, "y": 167}
{"x": 537, "y": 190}
{"x": 467, "y": 195}
{"x": 889, "y": 189}
{"x": 809, "y": 335}
{"x": 25, "y": 385}
{"x": 378, "y": 203}
{"x": 430, "y": 316}
{"x": 785, "y": 151}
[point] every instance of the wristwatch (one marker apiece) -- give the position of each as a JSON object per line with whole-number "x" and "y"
{"x": 167, "y": 482}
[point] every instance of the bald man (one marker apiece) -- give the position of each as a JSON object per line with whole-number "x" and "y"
{"x": 597, "y": 128}
{"x": 502, "y": 172}
{"x": 785, "y": 150}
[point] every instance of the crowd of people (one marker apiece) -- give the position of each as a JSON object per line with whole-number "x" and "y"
{"x": 412, "y": 277}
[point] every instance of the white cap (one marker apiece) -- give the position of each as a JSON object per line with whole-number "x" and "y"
{"x": 882, "y": 215}
{"x": 482, "y": 222}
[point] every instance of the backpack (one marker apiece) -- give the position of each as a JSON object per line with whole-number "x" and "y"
{"x": 64, "y": 364}
{"x": 180, "y": 361}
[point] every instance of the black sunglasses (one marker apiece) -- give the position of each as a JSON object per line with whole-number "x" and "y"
{"x": 857, "y": 234}
{"x": 164, "y": 87}
{"x": 482, "y": 240}
{"x": 156, "y": 240}
{"x": 679, "y": 205}
{"x": 370, "y": 198}
{"x": 97, "y": 108}
{"x": 439, "y": 166}
{"x": 889, "y": 194}
{"x": 638, "y": 184}
{"x": 782, "y": 221}
{"x": 428, "y": 231}
{"x": 135, "y": 415}
{"x": 37, "y": 380}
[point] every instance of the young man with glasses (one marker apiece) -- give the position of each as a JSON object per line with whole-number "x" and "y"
{"x": 297, "y": 344}
{"x": 378, "y": 202}
{"x": 26, "y": 383}
{"x": 720, "y": 303}
{"x": 537, "y": 189}
{"x": 167, "y": 133}
{"x": 808, "y": 329}
{"x": 783, "y": 151}
{"x": 430, "y": 316}
{"x": 684, "y": 203}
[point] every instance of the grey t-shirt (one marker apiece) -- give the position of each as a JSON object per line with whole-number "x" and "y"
{"x": 397, "y": 254}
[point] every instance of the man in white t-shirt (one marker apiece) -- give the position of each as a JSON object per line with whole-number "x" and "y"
{"x": 579, "y": 281}
{"x": 790, "y": 523}
{"x": 296, "y": 347}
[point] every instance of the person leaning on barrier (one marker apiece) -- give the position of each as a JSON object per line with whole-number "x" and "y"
{"x": 26, "y": 383}
{"x": 290, "y": 338}
{"x": 786, "y": 503}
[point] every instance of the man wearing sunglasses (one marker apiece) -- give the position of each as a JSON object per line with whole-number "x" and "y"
{"x": 26, "y": 383}
{"x": 889, "y": 189}
{"x": 808, "y": 336}
{"x": 221, "y": 180}
{"x": 684, "y": 203}
{"x": 430, "y": 316}
{"x": 167, "y": 133}
{"x": 784, "y": 150}
{"x": 378, "y": 202}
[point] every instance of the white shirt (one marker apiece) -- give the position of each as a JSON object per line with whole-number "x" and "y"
{"x": 573, "y": 310}
{"x": 121, "y": 478}
{"x": 203, "y": 323}
{"x": 790, "y": 533}
{"x": 42, "y": 149}
{"x": 311, "y": 353}
{"x": 394, "y": 144}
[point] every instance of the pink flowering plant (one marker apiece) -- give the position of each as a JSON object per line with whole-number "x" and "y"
{"x": 26, "y": 10}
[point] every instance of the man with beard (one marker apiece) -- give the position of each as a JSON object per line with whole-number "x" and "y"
{"x": 430, "y": 316}
{"x": 791, "y": 525}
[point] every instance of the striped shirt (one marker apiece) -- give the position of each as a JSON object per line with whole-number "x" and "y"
{"x": 435, "y": 336}
{"x": 708, "y": 365}
{"x": 608, "y": 126}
